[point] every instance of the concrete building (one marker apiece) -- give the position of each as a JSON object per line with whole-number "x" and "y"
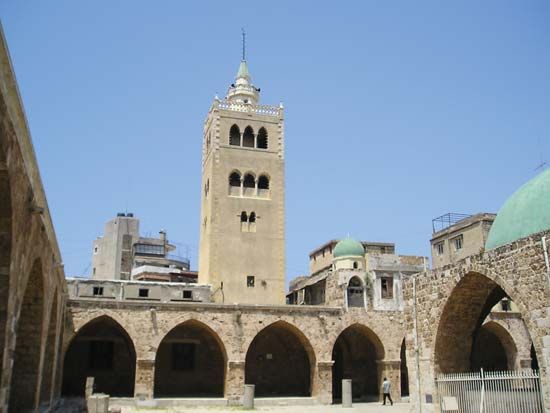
{"x": 122, "y": 254}
{"x": 242, "y": 248}
{"x": 456, "y": 236}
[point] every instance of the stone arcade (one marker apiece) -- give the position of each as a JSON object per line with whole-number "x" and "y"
{"x": 373, "y": 314}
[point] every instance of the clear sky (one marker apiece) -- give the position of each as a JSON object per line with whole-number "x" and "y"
{"x": 396, "y": 112}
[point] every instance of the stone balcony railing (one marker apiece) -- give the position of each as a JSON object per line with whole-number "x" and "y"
{"x": 267, "y": 110}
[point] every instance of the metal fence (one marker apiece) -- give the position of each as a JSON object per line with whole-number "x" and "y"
{"x": 516, "y": 391}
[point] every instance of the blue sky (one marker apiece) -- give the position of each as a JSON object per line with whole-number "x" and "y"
{"x": 396, "y": 112}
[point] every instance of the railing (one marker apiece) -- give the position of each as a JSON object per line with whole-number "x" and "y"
{"x": 246, "y": 107}
{"x": 491, "y": 392}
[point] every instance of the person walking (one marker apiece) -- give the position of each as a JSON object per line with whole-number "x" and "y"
{"x": 386, "y": 389}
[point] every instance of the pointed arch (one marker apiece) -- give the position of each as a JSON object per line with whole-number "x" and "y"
{"x": 102, "y": 349}
{"x": 262, "y": 138}
{"x": 356, "y": 353}
{"x": 249, "y": 184}
{"x": 280, "y": 361}
{"x": 235, "y": 136}
{"x": 235, "y": 183}
{"x": 26, "y": 364}
{"x": 263, "y": 186}
{"x": 248, "y": 137}
{"x": 473, "y": 297}
{"x": 493, "y": 348}
{"x": 190, "y": 362}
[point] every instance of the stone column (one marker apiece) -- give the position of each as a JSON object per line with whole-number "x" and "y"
{"x": 321, "y": 384}
{"x": 234, "y": 381}
{"x": 145, "y": 379}
{"x": 392, "y": 370}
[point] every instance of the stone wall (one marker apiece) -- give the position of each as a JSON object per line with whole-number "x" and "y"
{"x": 32, "y": 288}
{"x": 235, "y": 327}
{"x": 447, "y": 305}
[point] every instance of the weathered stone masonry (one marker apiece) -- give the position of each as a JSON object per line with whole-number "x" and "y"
{"x": 451, "y": 301}
{"x": 236, "y": 326}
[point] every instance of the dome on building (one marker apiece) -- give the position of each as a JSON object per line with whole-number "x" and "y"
{"x": 526, "y": 212}
{"x": 348, "y": 247}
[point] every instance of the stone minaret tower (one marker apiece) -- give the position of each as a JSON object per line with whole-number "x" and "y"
{"x": 242, "y": 241}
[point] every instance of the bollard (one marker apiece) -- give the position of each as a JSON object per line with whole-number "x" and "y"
{"x": 98, "y": 403}
{"x": 248, "y": 398}
{"x": 89, "y": 387}
{"x": 346, "y": 393}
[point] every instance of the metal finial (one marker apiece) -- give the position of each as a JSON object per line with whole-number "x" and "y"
{"x": 244, "y": 43}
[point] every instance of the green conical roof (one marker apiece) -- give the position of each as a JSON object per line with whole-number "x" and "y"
{"x": 526, "y": 212}
{"x": 348, "y": 246}
{"x": 243, "y": 70}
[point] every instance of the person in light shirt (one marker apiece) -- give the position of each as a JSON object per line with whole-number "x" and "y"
{"x": 386, "y": 389}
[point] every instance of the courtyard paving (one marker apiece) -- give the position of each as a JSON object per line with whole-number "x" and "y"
{"x": 357, "y": 408}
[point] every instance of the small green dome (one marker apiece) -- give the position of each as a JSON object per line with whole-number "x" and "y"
{"x": 526, "y": 212}
{"x": 348, "y": 246}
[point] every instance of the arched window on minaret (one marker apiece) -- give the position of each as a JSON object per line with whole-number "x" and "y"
{"x": 248, "y": 137}
{"x": 235, "y": 184}
{"x": 244, "y": 222}
{"x": 252, "y": 222}
{"x": 262, "y": 139}
{"x": 235, "y": 136}
{"x": 263, "y": 186}
{"x": 355, "y": 292}
{"x": 249, "y": 185}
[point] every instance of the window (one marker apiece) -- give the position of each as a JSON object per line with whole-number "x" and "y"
{"x": 263, "y": 182}
{"x": 101, "y": 355}
{"x": 248, "y": 137}
{"x": 457, "y": 242}
{"x": 249, "y": 181}
{"x": 387, "y": 287}
{"x": 208, "y": 143}
{"x": 98, "y": 290}
{"x": 235, "y": 136}
{"x": 250, "y": 281}
{"x": 262, "y": 139}
{"x": 207, "y": 187}
{"x": 252, "y": 222}
{"x": 95, "y": 250}
{"x": 143, "y": 292}
{"x": 149, "y": 249}
{"x": 355, "y": 265}
{"x": 93, "y": 271}
{"x": 252, "y": 217}
{"x": 505, "y": 304}
{"x": 187, "y": 294}
{"x": 355, "y": 293}
{"x": 183, "y": 356}
{"x": 439, "y": 248}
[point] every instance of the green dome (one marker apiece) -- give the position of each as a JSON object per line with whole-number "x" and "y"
{"x": 347, "y": 247}
{"x": 526, "y": 212}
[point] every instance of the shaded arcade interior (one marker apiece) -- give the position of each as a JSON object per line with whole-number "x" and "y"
{"x": 356, "y": 353}
{"x": 103, "y": 350}
{"x": 190, "y": 362}
{"x": 278, "y": 362}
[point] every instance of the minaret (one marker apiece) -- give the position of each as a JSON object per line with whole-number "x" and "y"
{"x": 242, "y": 251}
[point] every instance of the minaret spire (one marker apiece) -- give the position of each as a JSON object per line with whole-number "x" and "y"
{"x": 243, "y": 91}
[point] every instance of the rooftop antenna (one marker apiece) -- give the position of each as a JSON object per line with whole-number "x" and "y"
{"x": 542, "y": 163}
{"x": 244, "y": 43}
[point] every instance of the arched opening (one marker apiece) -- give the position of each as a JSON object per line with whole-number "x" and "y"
{"x": 49, "y": 356}
{"x": 263, "y": 186}
{"x": 262, "y": 138}
{"x": 493, "y": 349}
{"x": 235, "y": 184}
{"x": 355, "y": 354}
{"x": 208, "y": 143}
{"x": 467, "y": 307}
{"x": 355, "y": 292}
{"x": 244, "y": 222}
{"x": 248, "y": 137}
{"x": 190, "y": 362}
{"x": 5, "y": 244}
{"x": 25, "y": 370}
{"x": 235, "y": 136}
{"x": 249, "y": 185}
{"x": 103, "y": 350}
{"x": 404, "y": 372}
{"x": 279, "y": 362}
{"x": 534, "y": 360}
